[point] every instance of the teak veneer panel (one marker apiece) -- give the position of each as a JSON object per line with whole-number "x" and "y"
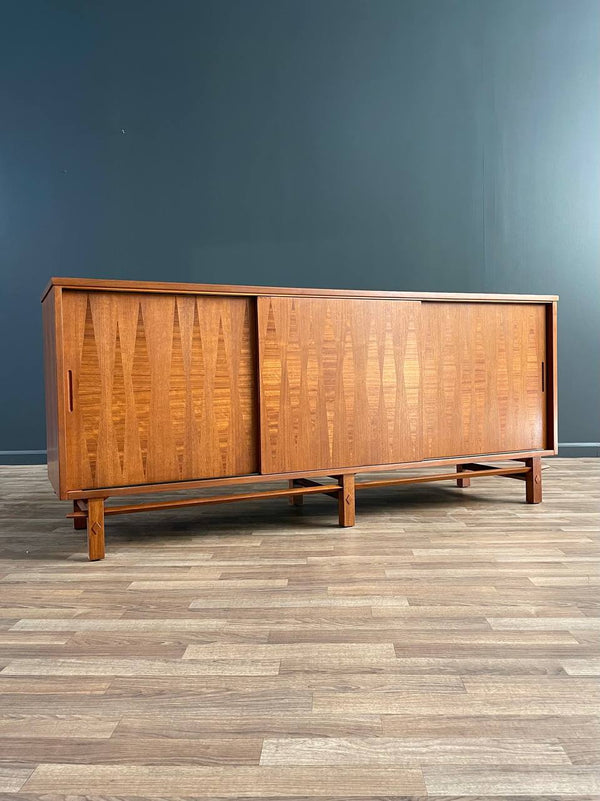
{"x": 162, "y": 388}
{"x": 484, "y": 378}
{"x": 339, "y": 382}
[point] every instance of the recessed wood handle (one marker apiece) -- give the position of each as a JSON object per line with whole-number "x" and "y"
{"x": 543, "y": 377}
{"x": 70, "y": 389}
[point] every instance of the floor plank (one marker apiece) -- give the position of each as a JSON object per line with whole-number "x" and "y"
{"x": 505, "y": 782}
{"x": 55, "y": 725}
{"x": 411, "y": 751}
{"x": 447, "y": 647}
{"x": 206, "y": 782}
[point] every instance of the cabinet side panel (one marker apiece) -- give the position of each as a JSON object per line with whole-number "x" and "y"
{"x": 339, "y": 382}
{"x": 483, "y": 379}
{"x": 163, "y": 388}
{"x": 552, "y": 377}
{"x": 49, "y": 324}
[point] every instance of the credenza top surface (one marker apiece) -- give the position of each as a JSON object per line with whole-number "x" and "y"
{"x": 234, "y": 289}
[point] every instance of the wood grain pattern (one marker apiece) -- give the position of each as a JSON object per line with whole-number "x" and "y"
{"x": 533, "y": 483}
{"x": 575, "y": 781}
{"x": 163, "y": 388}
{"x": 183, "y": 503}
{"x": 95, "y": 529}
{"x": 233, "y": 289}
{"x": 482, "y": 378}
{"x": 339, "y": 382}
{"x": 12, "y": 779}
{"x": 50, "y": 320}
{"x": 410, "y": 751}
{"x": 150, "y": 750}
{"x": 448, "y": 649}
{"x": 160, "y": 387}
{"x": 346, "y": 500}
{"x": 137, "y": 489}
{"x": 230, "y": 782}
{"x": 56, "y": 726}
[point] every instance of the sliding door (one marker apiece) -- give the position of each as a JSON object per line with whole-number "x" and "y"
{"x": 159, "y": 387}
{"x": 483, "y": 378}
{"x": 339, "y": 382}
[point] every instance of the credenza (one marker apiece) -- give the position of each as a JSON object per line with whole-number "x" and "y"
{"x": 159, "y": 387}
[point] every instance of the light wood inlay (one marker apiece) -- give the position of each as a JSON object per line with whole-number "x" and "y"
{"x": 448, "y": 648}
{"x": 339, "y": 382}
{"x": 163, "y": 388}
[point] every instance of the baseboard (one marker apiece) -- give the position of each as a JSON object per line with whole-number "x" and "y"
{"x": 23, "y": 457}
{"x": 578, "y": 449}
{"x": 567, "y": 450}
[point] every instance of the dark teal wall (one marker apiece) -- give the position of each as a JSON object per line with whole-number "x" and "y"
{"x": 447, "y": 145}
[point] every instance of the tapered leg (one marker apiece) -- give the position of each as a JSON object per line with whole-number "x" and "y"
{"x": 95, "y": 529}
{"x": 462, "y": 482}
{"x": 533, "y": 480}
{"x": 346, "y": 500}
{"x": 79, "y": 523}
{"x": 295, "y": 500}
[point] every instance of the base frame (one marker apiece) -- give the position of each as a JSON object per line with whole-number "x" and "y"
{"x": 89, "y": 513}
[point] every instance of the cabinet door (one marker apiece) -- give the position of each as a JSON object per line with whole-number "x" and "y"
{"x": 159, "y": 388}
{"x": 339, "y": 382}
{"x": 483, "y": 383}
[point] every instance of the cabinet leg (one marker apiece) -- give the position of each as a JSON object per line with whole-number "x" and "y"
{"x": 346, "y": 500}
{"x": 533, "y": 480}
{"x": 462, "y": 482}
{"x": 79, "y": 523}
{"x": 295, "y": 500}
{"x": 95, "y": 529}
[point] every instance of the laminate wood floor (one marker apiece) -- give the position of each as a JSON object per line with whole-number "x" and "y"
{"x": 446, "y": 647}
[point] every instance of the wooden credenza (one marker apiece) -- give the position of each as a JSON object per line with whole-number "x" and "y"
{"x": 159, "y": 387}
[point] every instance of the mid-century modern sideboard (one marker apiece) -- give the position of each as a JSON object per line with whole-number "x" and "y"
{"x": 156, "y": 387}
